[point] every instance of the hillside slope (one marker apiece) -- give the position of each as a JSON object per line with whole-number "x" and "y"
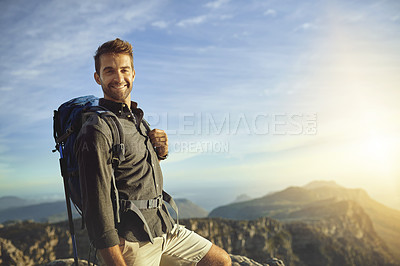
{"x": 345, "y": 238}
{"x": 314, "y": 202}
{"x": 57, "y": 211}
{"x": 188, "y": 209}
{"x": 12, "y": 202}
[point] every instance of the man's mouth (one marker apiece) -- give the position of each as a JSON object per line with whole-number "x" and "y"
{"x": 119, "y": 87}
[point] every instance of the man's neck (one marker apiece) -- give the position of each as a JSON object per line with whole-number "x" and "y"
{"x": 127, "y": 100}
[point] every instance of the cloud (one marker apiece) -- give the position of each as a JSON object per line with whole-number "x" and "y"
{"x": 395, "y": 18}
{"x": 6, "y": 89}
{"x": 216, "y": 4}
{"x": 160, "y": 24}
{"x": 192, "y": 21}
{"x": 307, "y": 26}
{"x": 73, "y": 32}
{"x": 270, "y": 12}
{"x": 225, "y": 17}
{"x": 56, "y": 38}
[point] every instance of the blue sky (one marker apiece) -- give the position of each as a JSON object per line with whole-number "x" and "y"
{"x": 255, "y": 95}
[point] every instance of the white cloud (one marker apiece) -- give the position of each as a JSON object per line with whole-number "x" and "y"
{"x": 6, "y": 89}
{"x": 306, "y": 26}
{"x": 200, "y": 49}
{"x": 160, "y": 24}
{"x": 192, "y": 21}
{"x": 72, "y": 34}
{"x": 45, "y": 49}
{"x": 270, "y": 12}
{"x": 225, "y": 17}
{"x": 395, "y": 18}
{"x": 216, "y": 4}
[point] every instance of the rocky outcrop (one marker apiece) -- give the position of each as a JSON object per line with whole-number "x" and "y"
{"x": 317, "y": 201}
{"x": 236, "y": 261}
{"x": 260, "y": 239}
{"x": 244, "y": 261}
{"x": 345, "y": 238}
{"x": 10, "y": 255}
{"x": 348, "y": 238}
{"x": 38, "y": 242}
{"x": 67, "y": 262}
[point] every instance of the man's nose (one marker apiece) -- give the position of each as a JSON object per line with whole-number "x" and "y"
{"x": 119, "y": 77}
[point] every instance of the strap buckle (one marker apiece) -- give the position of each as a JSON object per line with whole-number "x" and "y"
{"x": 154, "y": 203}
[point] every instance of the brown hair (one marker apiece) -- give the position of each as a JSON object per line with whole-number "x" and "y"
{"x": 116, "y": 46}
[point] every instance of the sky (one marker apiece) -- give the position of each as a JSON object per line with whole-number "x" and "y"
{"x": 255, "y": 96}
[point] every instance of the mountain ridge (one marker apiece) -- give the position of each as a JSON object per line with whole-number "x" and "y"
{"x": 296, "y": 204}
{"x": 7, "y": 202}
{"x": 346, "y": 239}
{"x": 56, "y": 211}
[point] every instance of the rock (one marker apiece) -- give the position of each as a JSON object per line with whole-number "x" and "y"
{"x": 274, "y": 262}
{"x": 347, "y": 238}
{"x": 10, "y": 255}
{"x": 67, "y": 262}
{"x": 259, "y": 239}
{"x": 236, "y": 261}
{"x": 244, "y": 261}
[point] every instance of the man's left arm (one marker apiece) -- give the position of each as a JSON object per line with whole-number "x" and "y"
{"x": 159, "y": 140}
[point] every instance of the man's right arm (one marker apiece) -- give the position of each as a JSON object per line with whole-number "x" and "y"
{"x": 112, "y": 256}
{"x": 92, "y": 149}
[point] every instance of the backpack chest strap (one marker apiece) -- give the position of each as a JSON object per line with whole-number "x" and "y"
{"x": 156, "y": 203}
{"x": 142, "y": 204}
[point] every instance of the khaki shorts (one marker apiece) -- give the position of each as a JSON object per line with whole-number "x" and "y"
{"x": 180, "y": 247}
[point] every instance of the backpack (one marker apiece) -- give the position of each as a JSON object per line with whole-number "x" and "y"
{"x": 67, "y": 122}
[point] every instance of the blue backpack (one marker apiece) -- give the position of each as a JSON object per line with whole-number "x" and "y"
{"x": 68, "y": 120}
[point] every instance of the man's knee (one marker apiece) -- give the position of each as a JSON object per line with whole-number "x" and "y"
{"x": 216, "y": 256}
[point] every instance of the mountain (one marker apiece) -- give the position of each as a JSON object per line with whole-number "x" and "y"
{"x": 43, "y": 212}
{"x": 345, "y": 239}
{"x": 321, "y": 183}
{"x": 317, "y": 201}
{"x": 242, "y": 197}
{"x": 57, "y": 211}
{"x": 12, "y": 202}
{"x": 188, "y": 209}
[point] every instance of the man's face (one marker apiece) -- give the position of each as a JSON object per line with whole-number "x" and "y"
{"x": 116, "y": 77}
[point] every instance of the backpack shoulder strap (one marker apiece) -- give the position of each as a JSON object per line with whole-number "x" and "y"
{"x": 168, "y": 198}
{"x": 146, "y": 125}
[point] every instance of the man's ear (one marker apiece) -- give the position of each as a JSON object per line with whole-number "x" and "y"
{"x": 134, "y": 75}
{"x": 97, "y": 78}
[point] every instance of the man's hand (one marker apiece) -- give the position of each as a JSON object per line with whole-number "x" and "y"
{"x": 159, "y": 140}
{"x": 112, "y": 256}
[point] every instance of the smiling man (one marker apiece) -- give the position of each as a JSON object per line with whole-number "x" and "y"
{"x": 145, "y": 234}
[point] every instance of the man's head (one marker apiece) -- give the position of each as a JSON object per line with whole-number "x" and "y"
{"x": 114, "y": 70}
{"x": 116, "y": 46}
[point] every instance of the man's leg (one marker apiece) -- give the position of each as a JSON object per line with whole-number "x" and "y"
{"x": 185, "y": 247}
{"x": 216, "y": 256}
{"x": 140, "y": 254}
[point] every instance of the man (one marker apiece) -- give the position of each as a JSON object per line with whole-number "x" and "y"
{"x": 142, "y": 237}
